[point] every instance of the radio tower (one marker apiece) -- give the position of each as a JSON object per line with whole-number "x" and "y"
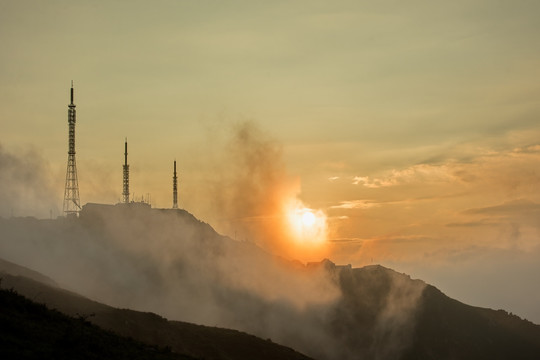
{"x": 71, "y": 192}
{"x": 125, "y": 192}
{"x": 175, "y": 188}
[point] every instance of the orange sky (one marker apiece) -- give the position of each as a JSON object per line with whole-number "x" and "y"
{"x": 414, "y": 128}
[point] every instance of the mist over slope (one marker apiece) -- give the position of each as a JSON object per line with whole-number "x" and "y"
{"x": 168, "y": 262}
{"x": 193, "y": 341}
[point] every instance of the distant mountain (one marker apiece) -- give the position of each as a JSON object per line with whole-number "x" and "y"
{"x": 438, "y": 327}
{"x": 449, "y": 329}
{"x": 170, "y": 263}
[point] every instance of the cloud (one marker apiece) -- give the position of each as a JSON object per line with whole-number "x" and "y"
{"x": 348, "y": 240}
{"x": 482, "y": 222}
{"x": 356, "y": 204}
{"x": 341, "y": 217}
{"x": 467, "y": 169}
{"x": 375, "y": 183}
{"x": 514, "y": 223}
{"x": 530, "y": 149}
{"x": 507, "y": 208}
{"x": 413, "y": 174}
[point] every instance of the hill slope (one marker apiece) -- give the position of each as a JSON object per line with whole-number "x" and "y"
{"x": 168, "y": 262}
{"x": 182, "y": 338}
{"x": 396, "y": 317}
{"x": 32, "y": 331}
{"x": 449, "y": 329}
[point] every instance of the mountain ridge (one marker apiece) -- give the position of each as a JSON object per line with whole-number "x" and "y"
{"x": 195, "y": 341}
{"x": 168, "y": 260}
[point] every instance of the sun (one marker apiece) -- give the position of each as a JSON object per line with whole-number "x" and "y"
{"x": 308, "y": 219}
{"x": 307, "y": 226}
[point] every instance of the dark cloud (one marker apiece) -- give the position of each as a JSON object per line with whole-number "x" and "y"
{"x": 482, "y": 222}
{"x": 519, "y": 206}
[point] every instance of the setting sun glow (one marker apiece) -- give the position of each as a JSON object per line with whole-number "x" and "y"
{"x": 308, "y": 227}
{"x": 308, "y": 219}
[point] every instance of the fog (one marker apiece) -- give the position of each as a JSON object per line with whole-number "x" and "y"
{"x": 250, "y": 184}
{"x": 26, "y": 184}
{"x": 170, "y": 263}
{"x": 250, "y": 192}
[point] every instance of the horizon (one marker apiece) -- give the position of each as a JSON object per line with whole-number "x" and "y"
{"x": 413, "y": 130}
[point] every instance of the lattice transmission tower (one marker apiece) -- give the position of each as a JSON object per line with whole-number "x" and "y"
{"x": 72, "y": 201}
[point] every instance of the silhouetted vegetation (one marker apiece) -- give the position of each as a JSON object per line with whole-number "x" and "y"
{"x": 32, "y": 331}
{"x": 193, "y": 341}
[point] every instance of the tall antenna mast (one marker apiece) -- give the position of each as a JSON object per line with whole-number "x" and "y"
{"x": 125, "y": 192}
{"x": 72, "y": 201}
{"x": 175, "y": 188}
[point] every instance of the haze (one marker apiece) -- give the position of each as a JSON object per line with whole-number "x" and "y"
{"x": 413, "y": 127}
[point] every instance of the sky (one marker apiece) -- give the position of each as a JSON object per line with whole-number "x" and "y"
{"x": 412, "y": 129}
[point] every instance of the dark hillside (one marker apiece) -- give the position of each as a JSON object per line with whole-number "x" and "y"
{"x": 449, "y": 329}
{"x": 32, "y": 331}
{"x": 183, "y": 338}
{"x": 385, "y": 314}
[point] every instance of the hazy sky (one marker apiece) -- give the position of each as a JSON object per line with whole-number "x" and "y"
{"x": 414, "y": 126}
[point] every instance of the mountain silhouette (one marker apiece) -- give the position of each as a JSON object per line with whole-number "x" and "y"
{"x": 188, "y": 340}
{"x": 170, "y": 263}
{"x": 32, "y": 331}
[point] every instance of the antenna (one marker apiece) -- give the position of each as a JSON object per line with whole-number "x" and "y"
{"x": 175, "y": 188}
{"x": 72, "y": 200}
{"x": 71, "y": 92}
{"x": 125, "y": 192}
